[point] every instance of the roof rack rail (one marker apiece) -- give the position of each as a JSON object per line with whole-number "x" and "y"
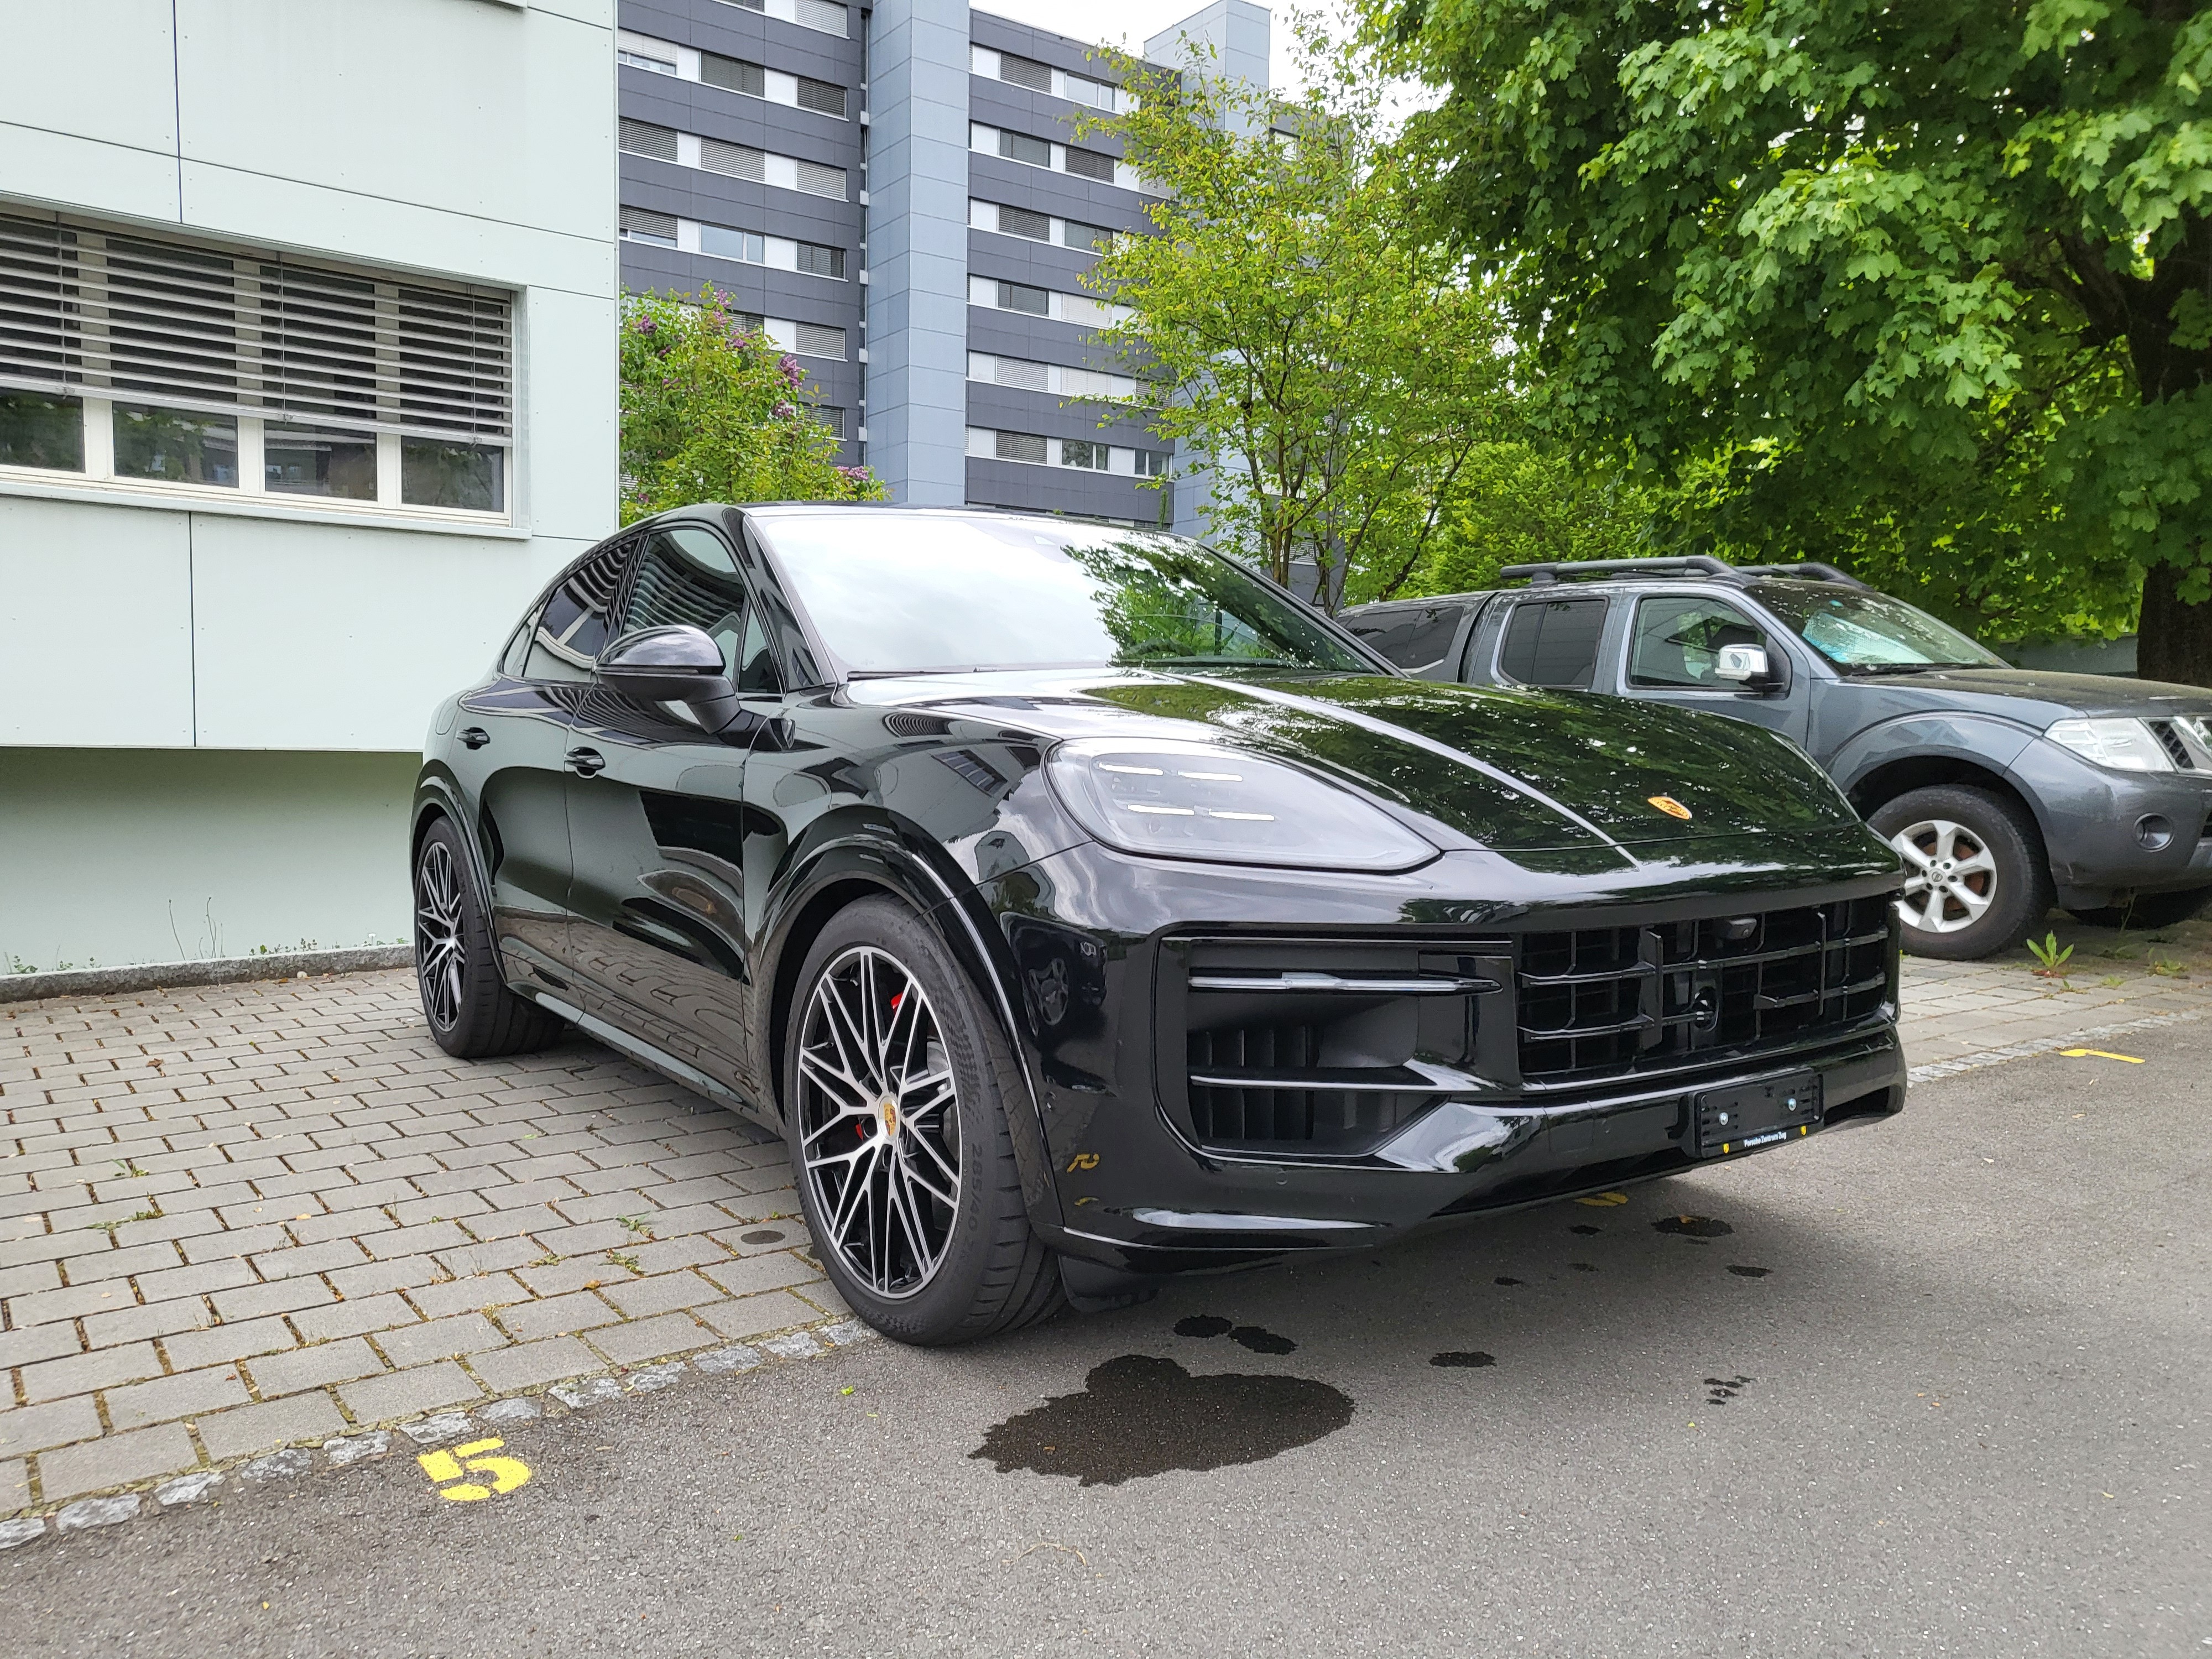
{"x": 1811, "y": 570}
{"x": 1544, "y": 575}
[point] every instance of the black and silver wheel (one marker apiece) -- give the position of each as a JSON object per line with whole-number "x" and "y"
{"x": 894, "y": 1095}
{"x": 472, "y": 1014}
{"x": 1975, "y": 877}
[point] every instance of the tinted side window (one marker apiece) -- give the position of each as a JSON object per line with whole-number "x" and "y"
{"x": 685, "y": 575}
{"x": 1676, "y": 642}
{"x": 1552, "y": 642}
{"x": 1416, "y": 637}
{"x": 566, "y": 637}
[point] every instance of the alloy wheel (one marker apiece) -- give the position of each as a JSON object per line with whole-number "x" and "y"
{"x": 439, "y": 955}
{"x": 879, "y": 1123}
{"x": 1950, "y": 876}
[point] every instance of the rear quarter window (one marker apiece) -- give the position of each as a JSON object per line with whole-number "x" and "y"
{"x": 1552, "y": 643}
{"x": 1418, "y": 637}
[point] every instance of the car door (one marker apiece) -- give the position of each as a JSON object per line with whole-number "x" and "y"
{"x": 1552, "y": 642}
{"x": 1673, "y": 646}
{"x": 657, "y": 826}
{"x": 513, "y": 735}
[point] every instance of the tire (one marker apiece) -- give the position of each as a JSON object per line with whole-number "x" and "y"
{"x": 472, "y": 1014}
{"x": 910, "y": 1190}
{"x": 1993, "y": 881}
{"x": 2149, "y": 910}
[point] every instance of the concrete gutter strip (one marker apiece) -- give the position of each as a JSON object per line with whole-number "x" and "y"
{"x": 218, "y": 971}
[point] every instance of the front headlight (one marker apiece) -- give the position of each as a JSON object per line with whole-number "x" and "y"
{"x": 2125, "y": 746}
{"x": 1190, "y": 800}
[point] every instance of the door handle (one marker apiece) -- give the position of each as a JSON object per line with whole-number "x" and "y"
{"x": 587, "y": 763}
{"x": 474, "y": 737}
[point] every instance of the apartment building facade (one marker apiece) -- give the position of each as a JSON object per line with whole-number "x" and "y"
{"x": 306, "y": 383}
{"x": 902, "y": 199}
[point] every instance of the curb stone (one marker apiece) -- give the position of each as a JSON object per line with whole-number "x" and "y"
{"x": 182, "y": 1492}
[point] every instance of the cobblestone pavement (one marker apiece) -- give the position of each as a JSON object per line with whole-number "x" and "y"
{"x": 242, "y": 1217}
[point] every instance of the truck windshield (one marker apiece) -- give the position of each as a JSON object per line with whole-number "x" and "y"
{"x": 1867, "y": 633}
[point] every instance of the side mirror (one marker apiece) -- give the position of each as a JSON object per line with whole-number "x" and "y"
{"x": 678, "y": 664}
{"x": 1752, "y": 667}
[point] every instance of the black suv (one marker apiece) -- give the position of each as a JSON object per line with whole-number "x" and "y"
{"x": 1081, "y": 907}
{"x": 2002, "y": 788}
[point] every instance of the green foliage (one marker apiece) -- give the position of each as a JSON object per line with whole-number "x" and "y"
{"x": 1332, "y": 368}
{"x": 2051, "y": 958}
{"x": 713, "y": 412}
{"x": 1919, "y": 289}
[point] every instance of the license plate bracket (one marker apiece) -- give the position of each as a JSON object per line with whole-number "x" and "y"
{"x": 1761, "y": 1113}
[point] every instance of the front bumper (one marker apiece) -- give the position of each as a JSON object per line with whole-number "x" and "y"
{"x": 1142, "y": 1180}
{"x": 2109, "y": 832}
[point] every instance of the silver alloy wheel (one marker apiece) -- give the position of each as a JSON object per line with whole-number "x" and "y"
{"x": 878, "y": 1121}
{"x": 1950, "y": 876}
{"x": 438, "y": 956}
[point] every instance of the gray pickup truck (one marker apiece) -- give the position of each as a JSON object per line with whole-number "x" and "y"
{"x": 2003, "y": 789}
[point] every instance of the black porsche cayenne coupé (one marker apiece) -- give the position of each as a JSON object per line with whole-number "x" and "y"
{"x": 1082, "y": 908}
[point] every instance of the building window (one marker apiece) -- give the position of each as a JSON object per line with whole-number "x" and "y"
{"x": 820, "y": 15}
{"x": 1021, "y": 222}
{"x": 1090, "y": 164}
{"x": 733, "y": 160}
{"x": 1095, "y": 239}
{"x": 1152, "y": 463}
{"x": 641, "y": 225}
{"x": 1025, "y": 72}
{"x": 1020, "y": 296}
{"x": 820, "y": 340}
{"x": 1077, "y": 451}
{"x": 640, "y": 60}
{"x": 1021, "y": 147}
{"x": 732, "y": 74}
{"x": 818, "y": 261}
{"x": 822, "y": 97}
{"x": 1082, "y": 89}
{"x": 722, "y": 242}
{"x": 643, "y": 138}
{"x": 832, "y": 417}
{"x": 818, "y": 179}
{"x": 1020, "y": 446}
{"x": 1040, "y": 77}
{"x": 164, "y": 363}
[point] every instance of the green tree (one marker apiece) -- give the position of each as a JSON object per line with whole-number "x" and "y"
{"x": 1927, "y": 284}
{"x": 1331, "y": 368}
{"x": 711, "y": 411}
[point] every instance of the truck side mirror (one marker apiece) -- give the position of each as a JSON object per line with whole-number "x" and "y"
{"x": 1751, "y": 667}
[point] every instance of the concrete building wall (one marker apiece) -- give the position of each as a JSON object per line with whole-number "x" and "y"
{"x": 450, "y": 142}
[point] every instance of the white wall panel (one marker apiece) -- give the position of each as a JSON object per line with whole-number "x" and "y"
{"x": 477, "y": 109}
{"x": 570, "y": 412}
{"x": 309, "y": 637}
{"x": 99, "y": 69}
{"x": 59, "y": 169}
{"x": 95, "y": 607}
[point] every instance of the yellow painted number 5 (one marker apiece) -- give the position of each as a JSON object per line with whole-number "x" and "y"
{"x": 501, "y": 1474}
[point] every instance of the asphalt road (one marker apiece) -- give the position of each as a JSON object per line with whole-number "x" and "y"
{"x": 1943, "y": 1388}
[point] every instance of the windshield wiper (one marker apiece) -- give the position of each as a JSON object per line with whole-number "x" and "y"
{"x": 1909, "y": 667}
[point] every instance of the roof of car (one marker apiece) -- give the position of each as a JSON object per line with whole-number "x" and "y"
{"x": 1604, "y": 572}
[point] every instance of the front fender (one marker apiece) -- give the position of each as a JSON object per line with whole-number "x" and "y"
{"x": 1984, "y": 742}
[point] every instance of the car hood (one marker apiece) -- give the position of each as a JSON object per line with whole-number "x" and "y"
{"x": 1507, "y": 769}
{"x": 2034, "y": 695}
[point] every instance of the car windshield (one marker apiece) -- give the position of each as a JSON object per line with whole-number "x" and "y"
{"x": 927, "y": 593}
{"x": 1867, "y": 632}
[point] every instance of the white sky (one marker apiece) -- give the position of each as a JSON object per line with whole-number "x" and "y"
{"x": 1128, "y": 23}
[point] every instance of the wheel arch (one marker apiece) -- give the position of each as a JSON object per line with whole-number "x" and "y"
{"x": 1903, "y": 774}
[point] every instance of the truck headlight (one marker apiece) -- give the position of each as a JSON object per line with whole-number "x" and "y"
{"x": 1191, "y": 800}
{"x": 2125, "y": 746}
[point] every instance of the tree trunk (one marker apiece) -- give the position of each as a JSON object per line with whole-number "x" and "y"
{"x": 2173, "y": 642}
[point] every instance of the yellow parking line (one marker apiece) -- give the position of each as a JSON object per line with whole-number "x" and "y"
{"x": 2099, "y": 1054}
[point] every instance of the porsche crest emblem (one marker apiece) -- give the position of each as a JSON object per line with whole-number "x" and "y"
{"x": 1670, "y": 806}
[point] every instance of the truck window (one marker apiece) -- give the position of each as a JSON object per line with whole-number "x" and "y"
{"x": 1552, "y": 642}
{"x": 1415, "y": 637}
{"x": 1676, "y": 642}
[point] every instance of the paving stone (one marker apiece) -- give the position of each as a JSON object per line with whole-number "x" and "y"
{"x": 590, "y": 1391}
{"x": 652, "y": 1379}
{"x": 284, "y": 1295}
{"x": 15, "y": 1483}
{"x": 403, "y": 1393}
{"x": 529, "y": 1363}
{"x": 53, "y": 1379}
{"x": 253, "y": 1336}
{"x": 799, "y": 1344}
{"x": 37, "y": 1342}
{"x": 751, "y": 1315}
{"x": 350, "y": 1318}
{"x": 97, "y": 1512}
{"x": 738, "y": 1358}
{"x": 761, "y": 1272}
{"x": 115, "y": 1459}
{"x": 35, "y": 1428}
{"x": 16, "y": 1534}
{"x": 466, "y": 1294}
{"x": 824, "y": 1296}
{"x": 344, "y": 1452}
{"x": 665, "y": 1293}
{"x": 286, "y": 1465}
{"x": 436, "y": 1430}
{"x": 521, "y": 1409}
{"x": 848, "y": 1332}
{"x": 315, "y": 1367}
{"x": 649, "y": 1338}
{"x": 257, "y": 1428}
{"x": 441, "y": 1339}
{"x": 187, "y": 1489}
{"x": 556, "y": 1316}
{"x": 168, "y": 1398}
{"x": 187, "y": 1312}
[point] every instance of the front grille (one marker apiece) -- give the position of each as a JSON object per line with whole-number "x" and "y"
{"x": 1601, "y": 1002}
{"x": 2169, "y": 740}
